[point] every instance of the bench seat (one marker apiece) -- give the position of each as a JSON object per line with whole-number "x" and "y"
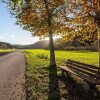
{"x": 87, "y": 72}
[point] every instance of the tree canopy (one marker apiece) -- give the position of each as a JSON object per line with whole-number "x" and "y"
{"x": 42, "y": 18}
{"x": 33, "y": 15}
{"x": 85, "y": 14}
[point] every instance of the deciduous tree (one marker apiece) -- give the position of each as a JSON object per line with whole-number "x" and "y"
{"x": 42, "y": 18}
{"x": 90, "y": 9}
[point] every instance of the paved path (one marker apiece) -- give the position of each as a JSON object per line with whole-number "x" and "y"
{"x": 12, "y": 76}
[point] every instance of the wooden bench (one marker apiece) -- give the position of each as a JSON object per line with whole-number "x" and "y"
{"x": 89, "y": 73}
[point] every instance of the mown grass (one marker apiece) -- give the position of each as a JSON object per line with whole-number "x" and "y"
{"x": 38, "y": 73}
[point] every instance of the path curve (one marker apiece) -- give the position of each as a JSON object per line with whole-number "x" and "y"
{"x": 12, "y": 76}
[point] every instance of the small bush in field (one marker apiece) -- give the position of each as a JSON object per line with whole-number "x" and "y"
{"x": 42, "y": 56}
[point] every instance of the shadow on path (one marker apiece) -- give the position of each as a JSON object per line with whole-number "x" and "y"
{"x": 54, "y": 92}
{"x": 4, "y": 53}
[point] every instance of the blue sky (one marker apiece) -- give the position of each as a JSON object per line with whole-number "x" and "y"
{"x": 9, "y": 32}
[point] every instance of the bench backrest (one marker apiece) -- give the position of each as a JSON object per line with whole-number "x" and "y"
{"x": 85, "y": 69}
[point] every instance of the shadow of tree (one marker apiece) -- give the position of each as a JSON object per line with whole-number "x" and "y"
{"x": 4, "y": 53}
{"x": 54, "y": 92}
{"x": 71, "y": 90}
{"x": 66, "y": 88}
{"x": 75, "y": 91}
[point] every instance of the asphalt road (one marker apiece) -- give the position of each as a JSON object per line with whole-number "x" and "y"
{"x": 12, "y": 76}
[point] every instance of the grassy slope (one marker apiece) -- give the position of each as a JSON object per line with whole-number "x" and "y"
{"x": 38, "y": 73}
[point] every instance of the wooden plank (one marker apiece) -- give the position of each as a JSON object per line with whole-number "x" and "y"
{"x": 91, "y": 66}
{"x": 82, "y": 71}
{"x": 86, "y": 78}
{"x": 62, "y": 67}
{"x": 84, "y": 68}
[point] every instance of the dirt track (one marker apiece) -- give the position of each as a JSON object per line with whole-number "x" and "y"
{"x": 12, "y": 77}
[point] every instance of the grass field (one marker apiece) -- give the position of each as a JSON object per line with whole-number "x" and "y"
{"x": 7, "y": 50}
{"x": 38, "y": 74}
{"x": 62, "y": 56}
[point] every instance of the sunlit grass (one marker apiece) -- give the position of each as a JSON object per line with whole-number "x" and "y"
{"x": 7, "y": 50}
{"x": 37, "y": 71}
{"x": 37, "y": 76}
{"x": 62, "y": 56}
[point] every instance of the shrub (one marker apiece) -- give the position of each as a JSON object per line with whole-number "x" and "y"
{"x": 42, "y": 56}
{"x": 92, "y": 48}
{"x": 88, "y": 48}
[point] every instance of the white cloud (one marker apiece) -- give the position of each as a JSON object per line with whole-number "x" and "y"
{"x": 12, "y": 36}
{"x": 1, "y": 37}
{"x": 25, "y": 40}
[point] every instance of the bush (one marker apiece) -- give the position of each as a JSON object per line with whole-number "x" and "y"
{"x": 70, "y": 48}
{"x": 42, "y": 56}
{"x": 88, "y": 48}
{"x": 75, "y": 48}
{"x": 91, "y": 48}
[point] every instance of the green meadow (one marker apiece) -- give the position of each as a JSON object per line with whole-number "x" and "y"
{"x": 62, "y": 56}
{"x": 7, "y": 50}
{"x": 37, "y": 72}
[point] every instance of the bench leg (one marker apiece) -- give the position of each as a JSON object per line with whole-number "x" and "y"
{"x": 68, "y": 75}
{"x": 62, "y": 72}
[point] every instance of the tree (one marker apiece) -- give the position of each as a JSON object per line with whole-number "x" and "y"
{"x": 89, "y": 9}
{"x": 85, "y": 34}
{"x": 42, "y": 18}
{"x": 48, "y": 17}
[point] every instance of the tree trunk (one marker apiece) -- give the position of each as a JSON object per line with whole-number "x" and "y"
{"x": 52, "y": 54}
{"x": 99, "y": 44}
{"x": 98, "y": 30}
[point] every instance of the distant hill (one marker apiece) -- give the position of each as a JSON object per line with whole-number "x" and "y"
{"x": 38, "y": 45}
{"x": 44, "y": 44}
{"x": 4, "y": 45}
